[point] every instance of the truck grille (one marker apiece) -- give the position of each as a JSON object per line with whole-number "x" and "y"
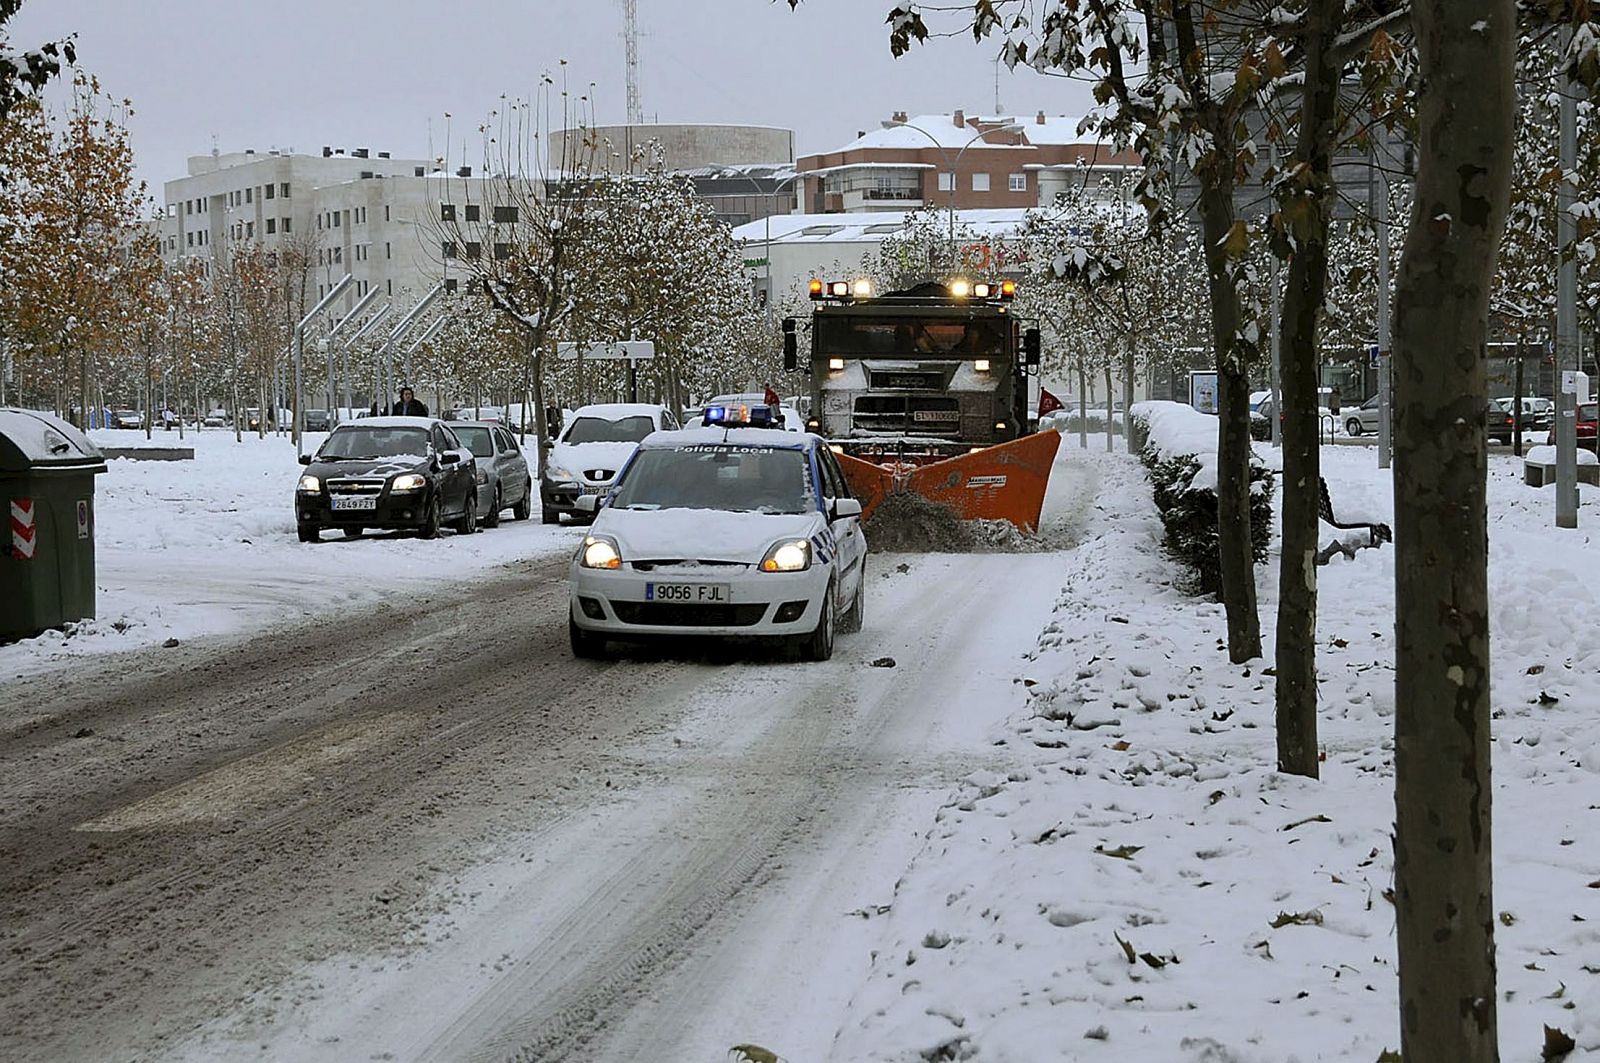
{"x": 925, "y": 415}
{"x": 679, "y": 614}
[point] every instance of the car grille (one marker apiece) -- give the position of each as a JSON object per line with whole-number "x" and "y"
{"x": 651, "y": 566}
{"x": 355, "y": 487}
{"x": 680, "y": 614}
{"x": 924, "y": 415}
{"x": 599, "y": 475}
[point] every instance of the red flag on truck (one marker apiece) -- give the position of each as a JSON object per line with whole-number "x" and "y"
{"x": 1048, "y": 403}
{"x": 771, "y": 398}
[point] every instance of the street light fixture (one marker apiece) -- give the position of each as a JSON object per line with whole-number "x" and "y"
{"x": 955, "y": 166}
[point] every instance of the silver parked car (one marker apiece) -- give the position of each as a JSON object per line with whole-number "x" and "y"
{"x": 504, "y": 479}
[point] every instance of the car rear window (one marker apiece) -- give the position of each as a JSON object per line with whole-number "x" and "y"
{"x": 601, "y": 430}
{"x": 1587, "y": 411}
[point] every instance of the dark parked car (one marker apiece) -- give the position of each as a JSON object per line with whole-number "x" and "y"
{"x": 388, "y": 472}
{"x": 318, "y": 421}
{"x": 504, "y": 479}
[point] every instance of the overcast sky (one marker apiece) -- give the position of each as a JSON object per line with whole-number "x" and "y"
{"x": 373, "y": 73}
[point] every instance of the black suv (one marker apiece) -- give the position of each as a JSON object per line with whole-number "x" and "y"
{"x": 388, "y": 472}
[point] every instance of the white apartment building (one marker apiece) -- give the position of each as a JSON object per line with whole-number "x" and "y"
{"x": 374, "y": 217}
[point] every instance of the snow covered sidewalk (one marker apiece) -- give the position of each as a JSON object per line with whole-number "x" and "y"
{"x": 1143, "y": 885}
{"x": 204, "y": 547}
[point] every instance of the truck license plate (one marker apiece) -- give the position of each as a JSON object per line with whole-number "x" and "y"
{"x": 686, "y": 592}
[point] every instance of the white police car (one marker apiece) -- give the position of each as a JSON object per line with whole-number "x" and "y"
{"x": 728, "y": 531}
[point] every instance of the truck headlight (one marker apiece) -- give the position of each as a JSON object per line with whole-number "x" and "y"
{"x": 600, "y": 551}
{"x": 411, "y": 481}
{"x": 791, "y": 555}
{"x": 310, "y": 485}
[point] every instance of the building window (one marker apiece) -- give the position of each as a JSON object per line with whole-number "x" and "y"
{"x": 283, "y": 190}
{"x": 474, "y": 251}
{"x": 980, "y": 182}
{"x": 472, "y": 212}
{"x": 387, "y": 253}
{"x": 286, "y": 225}
{"x": 250, "y": 230}
{"x": 188, "y": 239}
{"x": 336, "y": 219}
{"x": 449, "y": 249}
{"x": 247, "y": 195}
{"x": 272, "y": 226}
{"x": 502, "y": 252}
{"x": 188, "y": 206}
{"x": 944, "y": 182}
{"x": 505, "y": 215}
{"x": 269, "y": 191}
{"x": 1018, "y": 182}
{"x": 319, "y": 221}
{"x": 386, "y": 212}
{"x": 388, "y": 285}
{"x": 447, "y": 212}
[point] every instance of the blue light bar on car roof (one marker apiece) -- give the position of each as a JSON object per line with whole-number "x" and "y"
{"x": 740, "y": 416}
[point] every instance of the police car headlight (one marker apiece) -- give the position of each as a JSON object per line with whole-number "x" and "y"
{"x": 409, "y": 482}
{"x": 310, "y": 485}
{"x": 792, "y": 555}
{"x": 600, "y": 552}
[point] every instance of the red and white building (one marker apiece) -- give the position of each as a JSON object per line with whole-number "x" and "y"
{"x": 986, "y": 162}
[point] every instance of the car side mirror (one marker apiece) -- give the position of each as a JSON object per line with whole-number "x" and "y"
{"x": 587, "y": 503}
{"x": 449, "y": 457}
{"x": 305, "y": 459}
{"x": 846, "y": 507}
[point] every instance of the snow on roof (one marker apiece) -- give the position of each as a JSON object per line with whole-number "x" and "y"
{"x": 870, "y": 226}
{"x": 612, "y": 410}
{"x": 941, "y": 128}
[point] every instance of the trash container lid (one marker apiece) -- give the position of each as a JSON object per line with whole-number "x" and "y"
{"x": 31, "y": 440}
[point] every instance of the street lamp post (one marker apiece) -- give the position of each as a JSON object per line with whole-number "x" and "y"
{"x": 297, "y": 341}
{"x": 955, "y": 166}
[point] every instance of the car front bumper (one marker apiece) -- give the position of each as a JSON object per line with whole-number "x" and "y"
{"x": 618, "y": 603}
{"x": 407, "y": 509}
{"x": 561, "y": 496}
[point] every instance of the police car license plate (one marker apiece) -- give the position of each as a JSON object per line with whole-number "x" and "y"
{"x": 686, "y": 592}
{"x": 353, "y": 502}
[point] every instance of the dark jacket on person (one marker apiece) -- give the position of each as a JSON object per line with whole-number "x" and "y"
{"x": 411, "y": 408}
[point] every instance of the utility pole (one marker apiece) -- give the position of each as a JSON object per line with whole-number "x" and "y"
{"x": 630, "y": 40}
{"x": 298, "y": 342}
{"x": 1566, "y": 312}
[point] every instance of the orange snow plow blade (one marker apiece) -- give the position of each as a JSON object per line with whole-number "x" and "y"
{"x": 1002, "y": 482}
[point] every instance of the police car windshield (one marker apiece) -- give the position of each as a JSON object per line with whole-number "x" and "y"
{"x": 600, "y": 430}
{"x": 737, "y": 479}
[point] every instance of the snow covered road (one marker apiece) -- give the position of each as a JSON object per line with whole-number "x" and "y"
{"x": 426, "y": 832}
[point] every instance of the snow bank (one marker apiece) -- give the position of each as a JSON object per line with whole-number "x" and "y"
{"x": 1140, "y": 884}
{"x": 208, "y": 546}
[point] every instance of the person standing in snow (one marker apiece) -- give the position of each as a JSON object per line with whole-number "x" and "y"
{"x": 408, "y": 406}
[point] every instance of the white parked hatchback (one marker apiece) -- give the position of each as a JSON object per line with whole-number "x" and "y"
{"x": 722, "y": 532}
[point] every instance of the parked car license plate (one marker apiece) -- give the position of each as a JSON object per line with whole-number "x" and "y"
{"x": 587, "y": 490}
{"x": 353, "y": 502}
{"x": 686, "y": 592}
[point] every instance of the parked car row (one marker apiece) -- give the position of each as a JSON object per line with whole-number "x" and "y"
{"x": 412, "y": 473}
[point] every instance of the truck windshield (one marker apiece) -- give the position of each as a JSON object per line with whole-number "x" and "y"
{"x": 717, "y": 476}
{"x": 899, "y": 337}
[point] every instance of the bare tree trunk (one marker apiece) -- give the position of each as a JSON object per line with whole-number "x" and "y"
{"x": 1127, "y": 398}
{"x": 1083, "y": 406}
{"x": 1110, "y": 420}
{"x": 1443, "y": 872}
{"x": 1311, "y": 200}
{"x": 1236, "y": 558}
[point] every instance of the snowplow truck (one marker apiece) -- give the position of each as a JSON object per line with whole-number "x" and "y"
{"x": 926, "y": 391}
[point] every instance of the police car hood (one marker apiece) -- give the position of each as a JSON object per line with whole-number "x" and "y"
{"x": 701, "y": 534}
{"x": 576, "y": 457}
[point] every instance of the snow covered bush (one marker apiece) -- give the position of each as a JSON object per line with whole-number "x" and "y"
{"x": 1179, "y": 453}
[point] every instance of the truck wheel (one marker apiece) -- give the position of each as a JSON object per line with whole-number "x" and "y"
{"x": 818, "y": 646}
{"x": 586, "y": 645}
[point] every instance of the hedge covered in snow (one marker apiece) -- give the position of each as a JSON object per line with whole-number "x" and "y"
{"x": 1180, "y": 455}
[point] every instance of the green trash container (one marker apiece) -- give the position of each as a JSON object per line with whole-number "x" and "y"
{"x": 47, "y": 471}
